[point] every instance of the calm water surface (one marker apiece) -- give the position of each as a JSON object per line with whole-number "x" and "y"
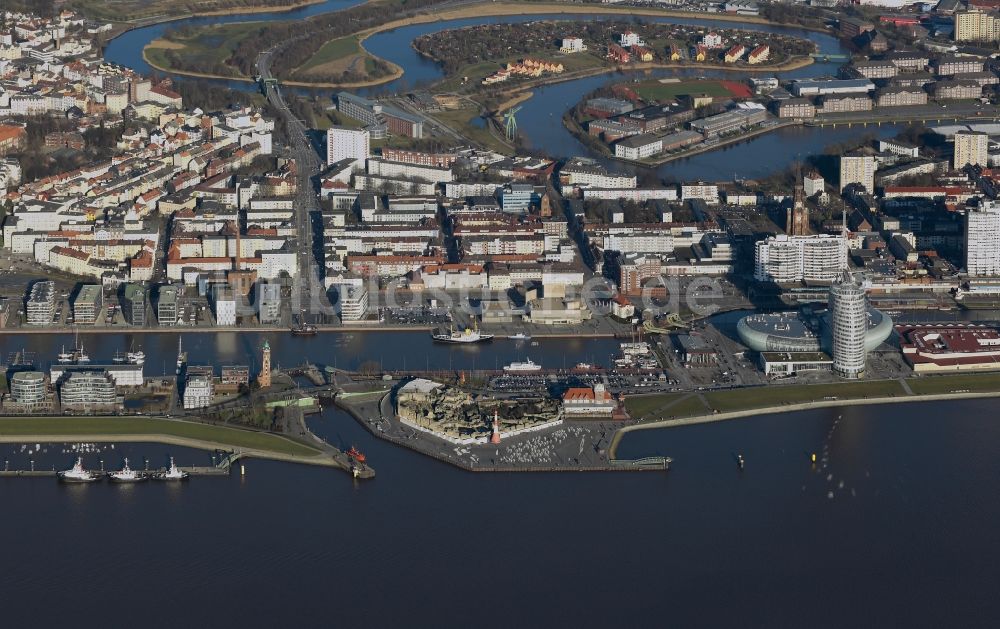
{"x": 909, "y": 540}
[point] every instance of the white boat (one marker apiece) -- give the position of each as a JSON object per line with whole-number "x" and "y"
{"x": 173, "y": 473}
{"x": 468, "y": 335}
{"x": 136, "y": 358}
{"x": 64, "y": 356}
{"x": 520, "y": 336}
{"x": 126, "y": 475}
{"x": 77, "y": 474}
{"x": 527, "y": 366}
{"x": 119, "y": 358}
{"x": 181, "y": 357}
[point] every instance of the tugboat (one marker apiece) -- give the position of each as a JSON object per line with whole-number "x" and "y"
{"x": 77, "y": 474}
{"x": 468, "y": 335}
{"x": 173, "y": 472}
{"x": 126, "y": 475}
{"x": 356, "y": 454}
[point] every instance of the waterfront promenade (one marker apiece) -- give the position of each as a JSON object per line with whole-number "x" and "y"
{"x": 248, "y": 443}
{"x": 623, "y": 431}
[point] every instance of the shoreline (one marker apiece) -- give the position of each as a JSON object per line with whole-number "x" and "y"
{"x": 153, "y": 21}
{"x": 788, "y": 408}
{"x": 264, "y": 330}
{"x": 106, "y": 433}
{"x": 503, "y": 9}
{"x": 69, "y": 437}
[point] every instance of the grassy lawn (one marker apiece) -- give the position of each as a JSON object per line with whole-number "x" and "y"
{"x": 207, "y": 50}
{"x": 468, "y": 123}
{"x": 639, "y": 406}
{"x": 130, "y": 10}
{"x": 107, "y": 426}
{"x": 777, "y": 395}
{"x": 654, "y": 90}
{"x": 665, "y": 406}
{"x": 979, "y": 382}
{"x": 335, "y": 50}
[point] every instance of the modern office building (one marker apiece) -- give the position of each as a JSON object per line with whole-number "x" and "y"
{"x": 970, "y": 149}
{"x": 134, "y": 305}
{"x": 353, "y": 303}
{"x": 849, "y": 325}
{"x": 40, "y": 307}
{"x": 269, "y": 303}
{"x": 198, "y": 392}
{"x": 982, "y": 240}
{"x": 87, "y": 304}
{"x": 89, "y": 391}
{"x": 167, "y": 310}
{"x": 857, "y": 169}
{"x": 224, "y": 305}
{"x": 346, "y": 143}
{"x": 784, "y": 258}
{"x": 28, "y": 388}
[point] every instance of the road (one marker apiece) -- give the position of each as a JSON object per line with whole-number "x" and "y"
{"x": 307, "y": 292}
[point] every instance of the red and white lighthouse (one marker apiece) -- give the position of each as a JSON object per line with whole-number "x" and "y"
{"x": 495, "y": 439}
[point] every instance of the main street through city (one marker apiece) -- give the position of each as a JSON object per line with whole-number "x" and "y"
{"x": 305, "y": 301}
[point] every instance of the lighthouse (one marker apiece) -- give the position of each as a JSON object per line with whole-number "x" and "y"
{"x": 495, "y": 439}
{"x": 264, "y": 378}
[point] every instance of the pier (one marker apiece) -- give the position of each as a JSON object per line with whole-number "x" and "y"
{"x": 222, "y": 468}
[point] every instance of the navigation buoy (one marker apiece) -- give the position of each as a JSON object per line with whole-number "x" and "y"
{"x": 812, "y": 457}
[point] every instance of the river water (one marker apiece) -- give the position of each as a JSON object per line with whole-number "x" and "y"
{"x": 908, "y": 540}
{"x": 540, "y": 117}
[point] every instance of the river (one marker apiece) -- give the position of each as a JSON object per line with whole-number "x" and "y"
{"x": 908, "y": 540}
{"x": 540, "y": 117}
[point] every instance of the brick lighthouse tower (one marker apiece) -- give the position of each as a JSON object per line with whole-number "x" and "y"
{"x": 264, "y": 378}
{"x": 495, "y": 439}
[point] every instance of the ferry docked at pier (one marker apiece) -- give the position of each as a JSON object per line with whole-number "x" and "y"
{"x": 528, "y": 366}
{"x": 126, "y": 475}
{"x": 77, "y": 474}
{"x": 468, "y": 335}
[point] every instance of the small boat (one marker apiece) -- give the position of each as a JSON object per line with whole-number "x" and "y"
{"x": 64, "y": 356}
{"x": 739, "y": 461}
{"x": 520, "y": 336}
{"x": 526, "y": 367}
{"x": 356, "y": 454}
{"x": 304, "y": 329}
{"x": 584, "y": 366}
{"x": 181, "y": 356}
{"x": 468, "y": 335}
{"x": 119, "y": 358}
{"x": 136, "y": 358}
{"x": 126, "y": 475}
{"x": 173, "y": 472}
{"x": 77, "y": 474}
